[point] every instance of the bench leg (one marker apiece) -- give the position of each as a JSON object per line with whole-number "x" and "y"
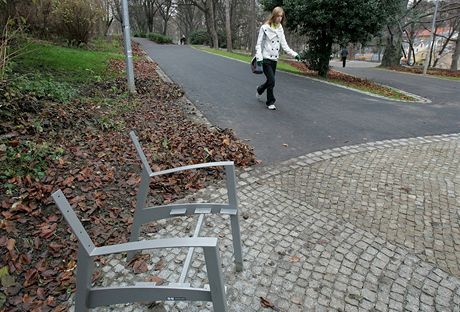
{"x": 216, "y": 281}
{"x": 85, "y": 266}
{"x": 141, "y": 201}
{"x": 236, "y": 238}
{"x": 234, "y": 219}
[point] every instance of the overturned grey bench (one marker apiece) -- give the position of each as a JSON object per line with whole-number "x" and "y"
{"x": 90, "y": 297}
{"x": 144, "y": 214}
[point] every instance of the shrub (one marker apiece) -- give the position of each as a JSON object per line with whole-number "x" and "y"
{"x": 140, "y": 34}
{"x": 222, "y": 40}
{"x": 11, "y": 38}
{"x": 200, "y": 37}
{"x": 158, "y": 38}
{"x": 76, "y": 20}
{"x": 204, "y": 38}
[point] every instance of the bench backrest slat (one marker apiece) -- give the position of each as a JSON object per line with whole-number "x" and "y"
{"x": 140, "y": 152}
{"x": 73, "y": 221}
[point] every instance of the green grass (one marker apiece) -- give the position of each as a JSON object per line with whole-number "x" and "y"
{"x": 73, "y": 65}
{"x": 104, "y": 45}
{"x": 447, "y": 77}
{"x": 247, "y": 58}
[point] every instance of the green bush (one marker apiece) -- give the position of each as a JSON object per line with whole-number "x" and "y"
{"x": 42, "y": 87}
{"x": 158, "y": 38}
{"x": 222, "y": 40}
{"x": 140, "y": 34}
{"x": 200, "y": 37}
{"x": 76, "y": 20}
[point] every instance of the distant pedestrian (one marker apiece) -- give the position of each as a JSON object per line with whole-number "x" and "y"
{"x": 183, "y": 40}
{"x": 271, "y": 38}
{"x": 343, "y": 56}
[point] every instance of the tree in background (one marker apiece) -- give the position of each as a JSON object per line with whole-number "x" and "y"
{"x": 252, "y": 27}
{"x": 76, "y": 19}
{"x": 228, "y": 25}
{"x": 449, "y": 18}
{"x": 456, "y": 53}
{"x": 188, "y": 18}
{"x": 209, "y": 9}
{"x": 326, "y": 22}
{"x": 166, "y": 9}
{"x": 413, "y": 16}
{"x": 393, "y": 51}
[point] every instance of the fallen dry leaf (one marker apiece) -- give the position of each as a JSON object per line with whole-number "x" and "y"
{"x": 10, "y": 244}
{"x": 155, "y": 279}
{"x": 159, "y": 265}
{"x": 265, "y": 303}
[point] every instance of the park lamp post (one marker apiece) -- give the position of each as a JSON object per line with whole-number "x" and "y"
{"x": 433, "y": 25}
{"x": 127, "y": 44}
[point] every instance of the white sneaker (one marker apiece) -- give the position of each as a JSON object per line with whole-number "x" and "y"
{"x": 271, "y": 107}
{"x": 259, "y": 97}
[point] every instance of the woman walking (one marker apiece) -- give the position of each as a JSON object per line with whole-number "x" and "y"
{"x": 271, "y": 38}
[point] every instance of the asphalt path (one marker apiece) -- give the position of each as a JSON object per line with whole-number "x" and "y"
{"x": 439, "y": 91}
{"x": 311, "y": 115}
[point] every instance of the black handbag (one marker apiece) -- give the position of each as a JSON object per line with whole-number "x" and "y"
{"x": 256, "y": 69}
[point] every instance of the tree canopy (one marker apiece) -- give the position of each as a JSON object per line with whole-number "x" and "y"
{"x": 326, "y": 22}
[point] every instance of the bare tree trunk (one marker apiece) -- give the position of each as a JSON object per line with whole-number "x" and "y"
{"x": 411, "y": 52}
{"x": 228, "y": 26}
{"x": 150, "y": 10}
{"x": 252, "y": 27}
{"x": 456, "y": 55}
{"x": 164, "y": 8}
{"x": 444, "y": 46}
{"x": 432, "y": 47}
{"x": 212, "y": 24}
{"x": 392, "y": 54}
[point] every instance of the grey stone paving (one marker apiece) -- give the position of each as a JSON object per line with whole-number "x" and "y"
{"x": 373, "y": 227}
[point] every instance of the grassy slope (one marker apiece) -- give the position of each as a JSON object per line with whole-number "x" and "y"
{"x": 69, "y": 64}
{"x": 247, "y": 58}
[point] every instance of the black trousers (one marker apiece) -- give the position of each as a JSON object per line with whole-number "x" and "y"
{"x": 269, "y": 68}
{"x": 344, "y": 61}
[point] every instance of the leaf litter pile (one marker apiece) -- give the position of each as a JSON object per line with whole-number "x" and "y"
{"x": 354, "y": 82}
{"x": 83, "y": 147}
{"x": 430, "y": 71}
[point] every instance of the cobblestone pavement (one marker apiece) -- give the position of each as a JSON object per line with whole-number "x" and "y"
{"x": 373, "y": 227}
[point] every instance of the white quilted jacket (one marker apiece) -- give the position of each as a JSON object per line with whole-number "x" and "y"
{"x": 269, "y": 42}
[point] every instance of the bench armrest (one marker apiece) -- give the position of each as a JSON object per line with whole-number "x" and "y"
{"x": 146, "y": 165}
{"x": 155, "y": 244}
{"x": 190, "y": 167}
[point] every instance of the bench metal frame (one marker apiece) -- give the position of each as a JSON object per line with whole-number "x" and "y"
{"x": 90, "y": 297}
{"x": 144, "y": 214}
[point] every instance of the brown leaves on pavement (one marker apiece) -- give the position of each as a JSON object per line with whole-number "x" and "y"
{"x": 139, "y": 263}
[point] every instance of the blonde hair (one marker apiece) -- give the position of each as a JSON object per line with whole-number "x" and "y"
{"x": 276, "y": 11}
